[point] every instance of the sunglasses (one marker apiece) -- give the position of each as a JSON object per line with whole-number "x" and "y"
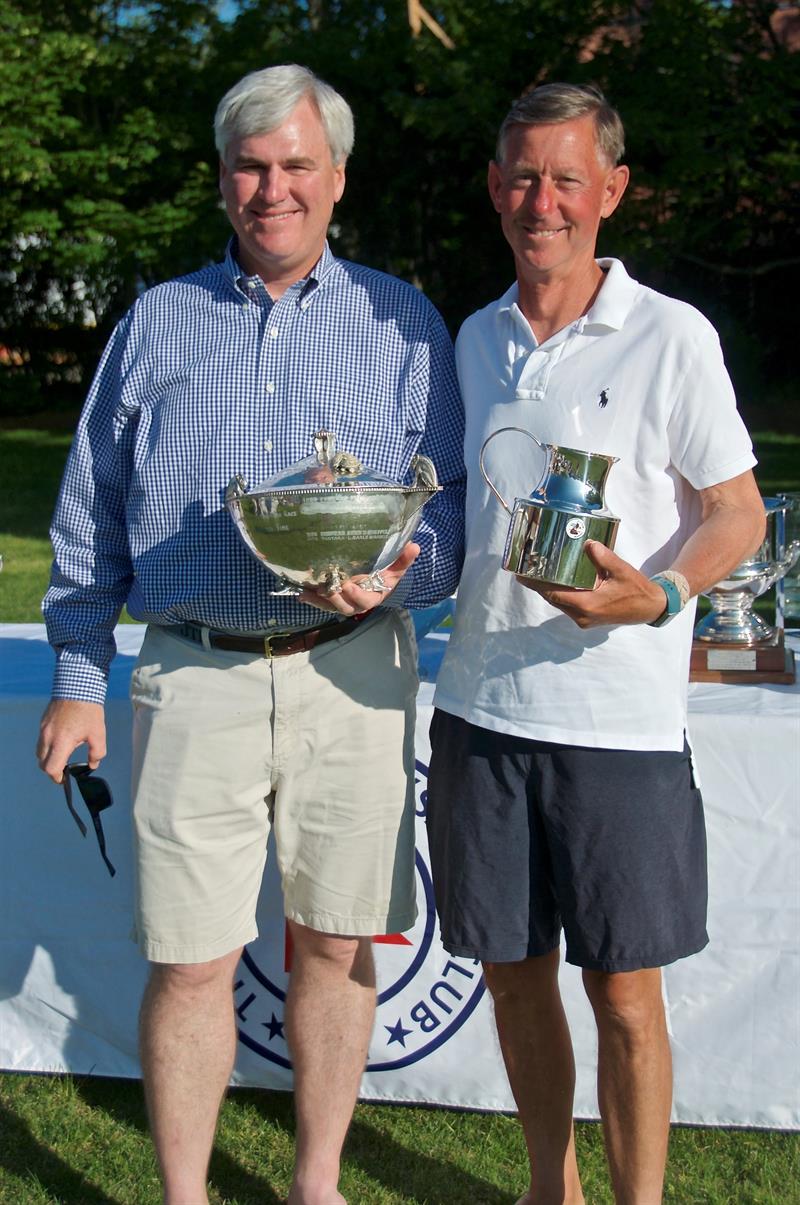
{"x": 96, "y": 794}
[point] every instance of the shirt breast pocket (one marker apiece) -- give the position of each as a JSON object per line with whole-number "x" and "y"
{"x": 373, "y": 417}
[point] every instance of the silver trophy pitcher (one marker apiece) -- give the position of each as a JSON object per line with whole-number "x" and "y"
{"x": 548, "y": 530}
{"x": 327, "y": 518}
{"x": 731, "y": 619}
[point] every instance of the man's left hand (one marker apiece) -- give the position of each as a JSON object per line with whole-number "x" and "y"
{"x": 351, "y": 599}
{"x": 623, "y": 595}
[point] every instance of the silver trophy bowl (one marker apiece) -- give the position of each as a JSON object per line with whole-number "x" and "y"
{"x": 731, "y": 619}
{"x": 327, "y": 518}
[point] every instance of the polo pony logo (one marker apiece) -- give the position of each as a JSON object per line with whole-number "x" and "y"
{"x": 602, "y": 401}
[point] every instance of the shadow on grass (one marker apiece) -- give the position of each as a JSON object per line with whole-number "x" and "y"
{"x": 414, "y": 1175}
{"x": 230, "y": 1180}
{"x": 410, "y": 1174}
{"x": 24, "y": 1156}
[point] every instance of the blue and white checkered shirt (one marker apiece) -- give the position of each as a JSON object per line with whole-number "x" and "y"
{"x": 205, "y": 377}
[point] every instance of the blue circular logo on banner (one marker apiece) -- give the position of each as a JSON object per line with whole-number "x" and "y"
{"x": 424, "y": 994}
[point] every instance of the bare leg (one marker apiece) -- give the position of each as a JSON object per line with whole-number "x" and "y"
{"x": 187, "y": 1046}
{"x": 634, "y": 1080}
{"x": 330, "y": 1011}
{"x": 537, "y": 1051}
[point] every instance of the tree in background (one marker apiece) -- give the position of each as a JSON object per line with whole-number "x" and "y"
{"x": 109, "y": 173}
{"x": 709, "y": 94}
{"x": 106, "y": 185}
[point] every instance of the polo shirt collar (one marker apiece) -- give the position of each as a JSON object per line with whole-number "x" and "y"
{"x": 611, "y": 306}
{"x": 615, "y": 299}
{"x": 509, "y": 301}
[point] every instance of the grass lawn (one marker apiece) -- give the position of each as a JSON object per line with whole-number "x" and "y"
{"x": 82, "y": 1141}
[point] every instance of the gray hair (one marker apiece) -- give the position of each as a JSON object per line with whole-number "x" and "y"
{"x": 262, "y": 100}
{"x": 550, "y": 104}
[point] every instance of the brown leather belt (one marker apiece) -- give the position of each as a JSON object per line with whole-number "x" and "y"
{"x": 279, "y": 645}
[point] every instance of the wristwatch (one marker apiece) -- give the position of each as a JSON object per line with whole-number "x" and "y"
{"x": 676, "y": 588}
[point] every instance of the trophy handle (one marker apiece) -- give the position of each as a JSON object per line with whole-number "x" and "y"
{"x": 545, "y": 448}
{"x": 236, "y": 488}
{"x": 324, "y": 445}
{"x": 424, "y": 473}
{"x": 789, "y": 559}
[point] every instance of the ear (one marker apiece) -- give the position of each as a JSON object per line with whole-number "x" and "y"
{"x": 616, "y": 183}
{"x": 338, "y": 181}
{"x": 495, "y": 183}
{"x": 223, "y": 171}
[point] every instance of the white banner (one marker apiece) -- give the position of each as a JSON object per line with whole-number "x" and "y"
{"x": 71, "y": 979}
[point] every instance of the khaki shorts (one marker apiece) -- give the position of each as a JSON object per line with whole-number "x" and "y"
{"x": 316, "y": 746}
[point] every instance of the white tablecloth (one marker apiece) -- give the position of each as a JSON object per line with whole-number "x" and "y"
{"x": 70, "y": 978}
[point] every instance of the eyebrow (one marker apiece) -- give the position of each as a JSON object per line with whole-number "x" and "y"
{"x": 560, "y": 169}
{"x": 289, "y": 161}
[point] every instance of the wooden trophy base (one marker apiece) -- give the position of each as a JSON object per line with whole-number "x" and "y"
{"x": 738, "y": 663}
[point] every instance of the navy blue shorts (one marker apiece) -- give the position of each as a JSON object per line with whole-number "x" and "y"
{"x": 528, "y": 838}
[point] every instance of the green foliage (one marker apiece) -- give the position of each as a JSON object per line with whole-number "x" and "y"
{"x": 709, "y": 96}
{"x": 108, "y": 171}
{"x": 105, "y": 176}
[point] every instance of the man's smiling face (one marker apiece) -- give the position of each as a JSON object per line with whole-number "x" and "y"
{"x": 551, "y": 190}
{"x": 279, "y": 191}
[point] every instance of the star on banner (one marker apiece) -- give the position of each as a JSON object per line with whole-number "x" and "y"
{"x": 398, "y": 1033}
{"x": 274, "y": 1026}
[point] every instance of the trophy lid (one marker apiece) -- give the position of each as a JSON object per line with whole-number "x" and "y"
{"x": 329, "y": 469}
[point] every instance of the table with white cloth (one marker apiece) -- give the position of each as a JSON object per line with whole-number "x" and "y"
{"x": 71, "y": 977}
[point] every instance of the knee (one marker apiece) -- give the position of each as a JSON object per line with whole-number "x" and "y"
{"x": 533, "y": 981}
{"x": 502, "y": 979}
{"x": 626, "y": 1002}
{"x": 192, "y": 978}
{"x": 330, "y": 953}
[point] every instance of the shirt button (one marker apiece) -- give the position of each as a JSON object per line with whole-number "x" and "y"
{"x": 272, "y": 622}
{"x": 245, "y": 305}
{"x": 274, "y": 332}
{"x": 251, "y": 284}
{"x": 267, "y": 445}
{"x": 270, "y": 386}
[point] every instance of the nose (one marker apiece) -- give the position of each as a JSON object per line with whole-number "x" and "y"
{"x": 272, "y": 184}
{"x": 541, "y": 195}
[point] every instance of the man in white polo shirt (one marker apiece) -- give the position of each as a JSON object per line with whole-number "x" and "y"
{"x": 561, "y": 795}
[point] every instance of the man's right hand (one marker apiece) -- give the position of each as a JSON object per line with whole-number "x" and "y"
{"x": 67, "y": 723}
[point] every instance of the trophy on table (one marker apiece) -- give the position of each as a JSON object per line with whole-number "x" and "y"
{"x": 732, "y": 643}
{"x": 787, "y": 589}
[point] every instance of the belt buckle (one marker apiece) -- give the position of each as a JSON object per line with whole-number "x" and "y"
{"x": 268, "y": 642}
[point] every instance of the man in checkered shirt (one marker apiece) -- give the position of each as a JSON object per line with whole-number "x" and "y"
{"x": 232, "y": 370}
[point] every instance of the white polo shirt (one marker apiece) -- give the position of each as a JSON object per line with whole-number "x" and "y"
{"x": 640, "y": 377}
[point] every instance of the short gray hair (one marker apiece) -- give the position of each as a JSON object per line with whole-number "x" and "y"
{"x": 262, "y": 100}
{"x": 550, "y": 104}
